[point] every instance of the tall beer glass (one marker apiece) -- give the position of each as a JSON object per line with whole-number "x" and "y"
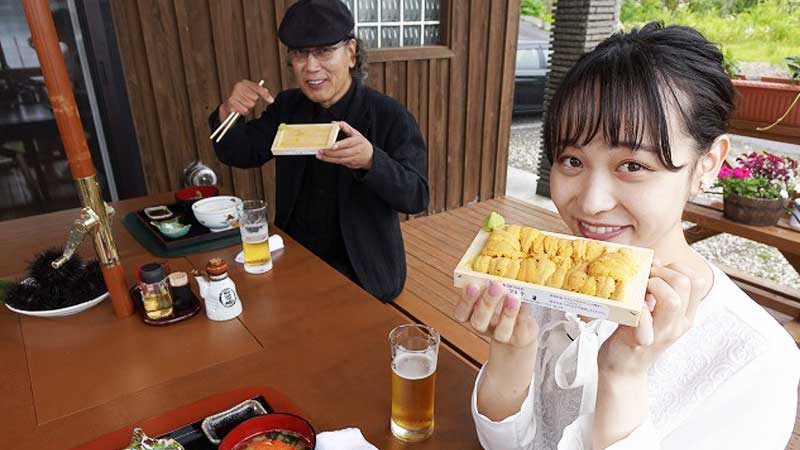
{"x": 415, "y": 350}
{"x": 255, "y": 236}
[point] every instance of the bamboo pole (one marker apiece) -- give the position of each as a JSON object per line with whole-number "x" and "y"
{"x": 95, "y": 213}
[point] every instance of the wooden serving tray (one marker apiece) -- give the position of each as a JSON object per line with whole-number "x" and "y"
{"x": 198, "y": 234}
{"x": 304, "y": 139}
{"x": 625, "y": 311}
{"x": 183, "y": 423}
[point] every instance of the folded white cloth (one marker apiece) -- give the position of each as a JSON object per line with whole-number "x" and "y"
{"x": 346, "y": 439}
{"x": 275, "y": 244}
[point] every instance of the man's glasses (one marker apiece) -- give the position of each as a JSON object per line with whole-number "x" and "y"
{"x": 322, "y": 54}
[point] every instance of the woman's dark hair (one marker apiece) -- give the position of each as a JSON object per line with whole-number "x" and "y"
{"x": 623, "y": 89}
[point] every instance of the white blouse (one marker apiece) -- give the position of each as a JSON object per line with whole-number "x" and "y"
{"x": 729, "y": 383}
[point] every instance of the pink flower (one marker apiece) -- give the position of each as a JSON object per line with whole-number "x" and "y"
{"x": 741, "y": 172}
{"x": 725, "y": 171}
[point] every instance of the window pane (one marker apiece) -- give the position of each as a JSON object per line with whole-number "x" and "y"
{"x": 432, "y": 9}
{"x": 412, "y": 10}
{"x": 432, "y": 35}
{"x": 349, "y": 4}
{"x": 369, "y": 35}
{"x": 34, "y": 172}
{"x": 390, "y": 10}
{"x": 367, "y": 11}
{"x": 390, "y": 36}
{"x": 411, "y": 35}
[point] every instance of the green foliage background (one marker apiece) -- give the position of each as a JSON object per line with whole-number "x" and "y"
{"x": 749, "y": 30}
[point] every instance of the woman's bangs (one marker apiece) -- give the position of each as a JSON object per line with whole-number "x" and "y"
{"x": 612, "y": 97}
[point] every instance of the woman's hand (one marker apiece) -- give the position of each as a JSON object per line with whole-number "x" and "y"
{"x": 243, "y": 99}
{"x": 354, "y": 152}
{"x": 673, "y": 294}
{"x": 512, "y": 354}
{"x": 492, "y": 313}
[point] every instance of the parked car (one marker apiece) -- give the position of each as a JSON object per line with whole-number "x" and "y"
{"x": 530, "y": 75}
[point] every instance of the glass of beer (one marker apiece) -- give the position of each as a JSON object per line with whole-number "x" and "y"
{"x": 415, "y": 350}
{"x": 255, "y": 236}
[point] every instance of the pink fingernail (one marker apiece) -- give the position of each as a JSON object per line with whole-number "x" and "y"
{"x": 472, "y": 291}
{"x": 495, "y": 289}
{"x": 512, "y": 302}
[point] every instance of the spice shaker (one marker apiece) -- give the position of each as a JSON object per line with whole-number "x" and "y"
{"x": 182, "y": 297}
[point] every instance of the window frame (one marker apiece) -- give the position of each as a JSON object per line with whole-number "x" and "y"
{"x": 422, "y": 52}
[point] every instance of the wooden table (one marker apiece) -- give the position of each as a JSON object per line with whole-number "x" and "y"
{"x": 306, "y": 331}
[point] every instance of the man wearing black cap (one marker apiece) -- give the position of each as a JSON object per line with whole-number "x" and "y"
{"x": 342, "y": 204}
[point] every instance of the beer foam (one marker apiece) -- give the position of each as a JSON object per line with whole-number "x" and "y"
{"x": 414, "y": 366}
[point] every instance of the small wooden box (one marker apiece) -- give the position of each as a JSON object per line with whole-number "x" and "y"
{"x": 304, "y": 139}
{"x": 625, "y": 311}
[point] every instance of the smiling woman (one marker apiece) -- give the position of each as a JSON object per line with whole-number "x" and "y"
{"x": 635, "y": 128}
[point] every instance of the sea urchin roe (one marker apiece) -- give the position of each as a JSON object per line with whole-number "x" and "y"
{"x": 577, "y": 265}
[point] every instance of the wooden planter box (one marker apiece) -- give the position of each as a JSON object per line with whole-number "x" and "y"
{"x": 765, "y": 101}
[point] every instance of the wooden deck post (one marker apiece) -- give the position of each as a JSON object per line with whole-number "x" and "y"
{"x": 578, "y": 27}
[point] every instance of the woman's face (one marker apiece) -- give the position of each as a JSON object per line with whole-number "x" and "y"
{"x": 626, "y": 196}
{"x": 323, "y": 73}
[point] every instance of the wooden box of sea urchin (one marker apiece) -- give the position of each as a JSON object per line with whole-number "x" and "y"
{"x": 625, "y": 309}
{"x": 304, "y": 139}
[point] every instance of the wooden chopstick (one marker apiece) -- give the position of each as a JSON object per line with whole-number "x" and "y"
{"x": 229, "y": 121}
{"x": 222, "y": 125}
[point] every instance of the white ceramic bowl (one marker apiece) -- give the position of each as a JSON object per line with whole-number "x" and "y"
{"x": 217, "y": 213}
{"x": 61, "y": 312}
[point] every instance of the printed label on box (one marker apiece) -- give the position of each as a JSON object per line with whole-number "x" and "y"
{"x": 559, "y": 302}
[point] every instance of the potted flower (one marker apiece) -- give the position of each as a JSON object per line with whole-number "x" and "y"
{"x": 755, "y": 189}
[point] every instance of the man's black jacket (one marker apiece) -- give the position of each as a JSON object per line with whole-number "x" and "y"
{"x": 368, "y": 199}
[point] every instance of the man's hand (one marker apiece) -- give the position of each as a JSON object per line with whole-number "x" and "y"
{"x": 354, "y": 152}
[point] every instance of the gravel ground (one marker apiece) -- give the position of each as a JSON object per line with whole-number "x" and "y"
{"x": 738, "y": 253}
{"x": 523, "y": 147}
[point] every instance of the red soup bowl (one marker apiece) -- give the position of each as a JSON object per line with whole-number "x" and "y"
{"x": 187, "y": 196}
{"x": 262, "y": 425}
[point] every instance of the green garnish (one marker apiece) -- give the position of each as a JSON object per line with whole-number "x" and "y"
{"x": 493, "y": 221}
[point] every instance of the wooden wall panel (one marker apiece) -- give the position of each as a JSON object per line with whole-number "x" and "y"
{"x": 437, "y": 133}
{"x": 457, "y": 102}
{"x": 395, "y": 80}
{"x": 202, "y": 85}
{"x": 182, "y": 58}
{"x": 230, "y": 47}
{"x": 140, "y": 95}
{"x": 160, "y": 31}
{"x": 494, "y": 63}
{"x": 476, "y": 89}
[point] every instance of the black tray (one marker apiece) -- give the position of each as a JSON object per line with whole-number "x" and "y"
{"x": 196, "y": 235}
{"x": 191, "y": 436}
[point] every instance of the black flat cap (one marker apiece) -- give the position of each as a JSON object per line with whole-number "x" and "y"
{"x": 315, "y": 23}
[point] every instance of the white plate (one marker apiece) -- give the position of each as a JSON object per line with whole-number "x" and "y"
{"x": 61, "y": 312}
